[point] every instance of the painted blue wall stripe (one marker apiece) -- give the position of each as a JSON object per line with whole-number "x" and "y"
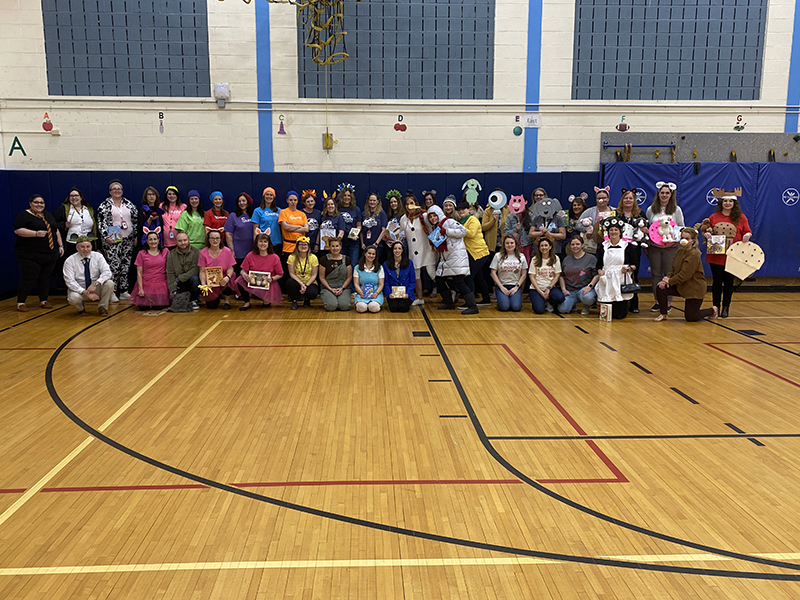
{"x": 264, "y": 78}
{"x": 793, "y": 92}
{"x": 529, "y": 161}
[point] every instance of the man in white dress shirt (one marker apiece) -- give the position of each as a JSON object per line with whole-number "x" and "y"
{"x": 88, "y": 278}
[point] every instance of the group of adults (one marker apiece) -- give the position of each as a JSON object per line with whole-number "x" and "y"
{"x": 368, "y": 258}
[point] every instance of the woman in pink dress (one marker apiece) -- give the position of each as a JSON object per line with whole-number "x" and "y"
{"x": 261, "y": 268}
{"x": 217, "y": 255}
{"x": 151, "y": 274}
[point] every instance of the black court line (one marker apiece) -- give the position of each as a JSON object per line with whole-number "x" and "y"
{"x": 429, "y": 355}
{"x": 750, "y": 332}
{"x": 439, "y": 381}
{"x": 752, "y": 337}
{"x": 635, "y": 364}
{"x": 607, "y": 346}
{"x": 421, "y": 333}
{"x": 680, "y": 393}
{"x": 559, "y": 315}
{"x": 454, "y": 416}
{"x": 432, "y": 536}
{"x": 49, "y": 312}
{"x": 737, "y": 430}
{"x": 655, "y": 436}
{"x": 581, "y": 329}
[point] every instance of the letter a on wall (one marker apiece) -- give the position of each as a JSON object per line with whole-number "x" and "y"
{"x": 17, "y": 145}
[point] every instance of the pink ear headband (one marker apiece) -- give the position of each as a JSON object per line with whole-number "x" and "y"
{"x": 148, "y": 231}
{"x": 606, "y": 189}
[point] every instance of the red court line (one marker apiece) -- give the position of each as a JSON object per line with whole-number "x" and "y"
{"x": 760, "y": 368}
{"x": 749, "y": 343}
{"x": 13, "y": 491}
{"x": 619, "y": 477}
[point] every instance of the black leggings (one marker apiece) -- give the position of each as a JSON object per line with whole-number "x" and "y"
{"x": 691, "y": 309}
{"x": 293, "y": 291}
{"x": 455, "y": 283}
{"x": 721, "y": 286}
{"x": 36, "y": 271}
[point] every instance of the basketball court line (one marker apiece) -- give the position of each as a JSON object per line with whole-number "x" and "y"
{"x": 49, "y": 312}
{"x": 759, "y": 367}
{"x": 469, "y": 543}
{"x": 357, "y": 563}
{"x": 31, "y": 491}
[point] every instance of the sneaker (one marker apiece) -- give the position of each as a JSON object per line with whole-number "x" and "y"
{"x": 307, "y": 302}
{"x": 194, "y": 305}
{"x": 549, "y": 308}
{"x": 462, "y": 307}
{"x": 654, "y": 308}
{"x": 124, "y": 296}
{"x": 114, "y": 298}
{"x": 471, "y": 311}
{"x": 418, "y": 302}
{"x": 82, "y": 312}
{"x": 226, "y": 306}
{"x": 669, "y": 308}
{"x": 293, "y": 306}
{"x": 446, "y": 307}
{"x": 103, "y": 312}
{"x": 484, "y": 302}
{"x": 585, "y": 310}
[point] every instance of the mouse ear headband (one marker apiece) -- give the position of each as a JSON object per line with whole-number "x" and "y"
{"x": 606, "y": 189}
{"x": 669, "y": 184}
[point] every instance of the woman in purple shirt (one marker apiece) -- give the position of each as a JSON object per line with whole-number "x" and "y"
{"x": 240, "y": 229}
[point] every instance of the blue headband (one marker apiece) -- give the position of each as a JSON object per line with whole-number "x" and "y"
{"x": 193, "y": 193}
{"x": 214, "y": 195}
{"x": 292, "y": 193}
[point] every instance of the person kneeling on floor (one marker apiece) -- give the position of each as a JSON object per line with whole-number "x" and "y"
{"x": 88, "y": 278}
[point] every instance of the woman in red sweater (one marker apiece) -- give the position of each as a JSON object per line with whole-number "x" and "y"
{"x": 215, "y": 217}
{"x": 728, "y": 211}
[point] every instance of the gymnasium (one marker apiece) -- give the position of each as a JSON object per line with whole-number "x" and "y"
{"x": 312, "y": 453}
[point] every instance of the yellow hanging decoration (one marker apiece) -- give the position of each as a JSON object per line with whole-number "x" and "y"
{"x": 322, "y": 20}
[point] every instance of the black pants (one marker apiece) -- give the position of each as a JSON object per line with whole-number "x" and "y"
{"x": 455, "y": 283}
{"x": 721, "y": 286}
{"x": 691, "y": 309}
{"x": 35, "y": 269}
{"x": 619, "y": 309}
{"x": 399, "y": 304}
{"x": 293, "y": 290}
{"x": 477, "y": 281}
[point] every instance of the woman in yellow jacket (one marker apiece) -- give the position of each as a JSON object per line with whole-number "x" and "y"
{"x": 685, "y": 278}
{"x": 478, "y": 253}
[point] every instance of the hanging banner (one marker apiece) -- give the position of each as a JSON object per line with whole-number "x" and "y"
{"x": 776, "y": 223}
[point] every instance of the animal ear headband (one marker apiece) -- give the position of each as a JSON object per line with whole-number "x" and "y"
{"x": 721, "y": 193}
{"x": 669, "y": 184}
{"x": 148, "y": 231}
{"x": 606, "y": 189}
{"x": 583, "y": 197}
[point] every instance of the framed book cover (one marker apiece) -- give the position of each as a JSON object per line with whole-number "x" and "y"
{"x": 605, "y": 312}
{"x": 369, "y": 289}
{"x": 260, "y": 280}
{"x": 398, "y": 291}
{"x": 213, "y": 276}
{"x": 716, "y": 245}
{"x": 353, "y": 235}
{"x": 437, "y": 237}
{"x": 115, "y": 233}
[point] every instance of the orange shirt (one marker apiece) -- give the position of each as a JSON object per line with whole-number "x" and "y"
{"x": 294, "y": 217}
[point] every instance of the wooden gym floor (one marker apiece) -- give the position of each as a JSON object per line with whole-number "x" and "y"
{"x": 277, "y": 454}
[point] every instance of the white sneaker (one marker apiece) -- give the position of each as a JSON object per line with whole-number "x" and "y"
{"x": 124, "y": 296}
{"x": 549, "y": 308}
{"x": 114, "y": 298}
{"x": 585, "y": 310}
{"x": 418, "y": 302}
{"x": 195, "y": 305}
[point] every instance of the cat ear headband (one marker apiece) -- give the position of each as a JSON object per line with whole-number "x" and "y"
{"x": 606, "y": 189}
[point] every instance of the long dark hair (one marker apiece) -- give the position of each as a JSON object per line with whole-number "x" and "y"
{"x": 147, "y": 237}
{"x": 248, "y": 210}
{"x": 736, "y": 211}
{"x": 199, "y": 210}
{"x": 570, "y": 213}
{"x": 362, "y": 262}
{"x": 390, "y": 262}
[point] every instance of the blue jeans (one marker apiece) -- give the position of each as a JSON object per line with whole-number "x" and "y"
{"x": 512, "y": 302}
{"x": 192, "y": 286}
{"x": 538, "y": 303}
{"x": 576, "y": 296}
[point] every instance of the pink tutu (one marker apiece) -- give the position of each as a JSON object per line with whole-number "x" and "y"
{"x": 273, "y": 295}
{"x": 156, "y": 294}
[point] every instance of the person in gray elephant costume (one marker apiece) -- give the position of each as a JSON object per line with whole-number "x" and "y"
{"x": 548, "y": 220}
